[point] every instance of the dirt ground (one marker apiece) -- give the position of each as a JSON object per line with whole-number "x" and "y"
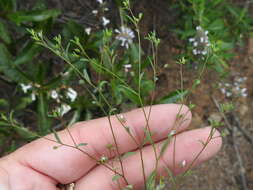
{"x": 233, "y": 166}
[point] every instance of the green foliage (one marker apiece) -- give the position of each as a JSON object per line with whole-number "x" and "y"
{"x": 173, "y": 97}
{"x": 19, "y": 64}
{"x": 19, "y": 17}
{"x": 227, "y": 24}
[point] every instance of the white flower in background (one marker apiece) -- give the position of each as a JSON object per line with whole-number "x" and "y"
{"x": 95, "y": 12}
{"x": 71, "y": 94}
{"x": 183, "y": 163}
{"x": 33, "y": 96}
{"x": 105, "y": 21}
{"x": 195, "y": 44}
{"x": 191, "y": 39}
{"x": 195, "y": 52}
{"x": 65, "y": 74}
{"x": 54, "y": 94}
{"x": 198, "y": 28}
{"x": 204, "y": 52}
{"x": 229, "y": 94}
{"x": 125, "y": 35}
{"x": 127, "y": 67}
{"x": 25, "y": 87}
{"x": 200, "y": 42}
{"x": 100, "y": 1}
{"x": 88, "y": 30}
{"x": 237, "y": 88}
{"x": 65, "y": 108}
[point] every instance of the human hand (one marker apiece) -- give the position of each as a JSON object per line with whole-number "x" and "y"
{"x": 37, "y": 166}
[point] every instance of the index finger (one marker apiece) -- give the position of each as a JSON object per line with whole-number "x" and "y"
{"x": 67, "y": 164}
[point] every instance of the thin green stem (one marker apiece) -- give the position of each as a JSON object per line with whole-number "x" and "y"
{"x": 90, "y": 156}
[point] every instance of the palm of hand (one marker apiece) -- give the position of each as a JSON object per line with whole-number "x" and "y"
{"x": 38, "y": 166}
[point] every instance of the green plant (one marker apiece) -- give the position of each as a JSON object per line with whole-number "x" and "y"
{"x": 18, "y": 55}
{"x": 111, "y": 85}
{"x": 212, "y": 28}
{"x": 105, "y": 72}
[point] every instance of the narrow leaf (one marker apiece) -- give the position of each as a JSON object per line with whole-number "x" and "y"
{"x": 33, "y": 16}
{"x": 27, "y": 54}
{"x": 173, "y": 97}
{"x": 86, "y": 76}
{"x": 116, "y": 177}
{"x": 126, "y": 155}
{"x": 164, "y": 147}
{"x": 130, "y": 94}
{"x": 57, "y": 137}
{"x": 5, "y": 36}
{"x": 82, "y": 144}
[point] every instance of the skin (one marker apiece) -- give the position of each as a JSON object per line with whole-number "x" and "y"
{"x": 37, "y": 165}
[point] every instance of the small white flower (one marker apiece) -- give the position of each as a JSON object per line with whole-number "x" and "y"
{"x": 125, "y": 35}
{"x": 206, "y": 32}
{"x": 195, "y": 44}
{"x": 241, "y": 79}
{"x": 228, "y": 94}
{"x": 65, "y": 108}
{"x": 33, "y": 96}
{"x": 223, "y": 90}
{"x": 105, "y": 21}
{"x": 236, "y": 84}
{"x": 106, "y": 9}
{"x": 122, "y": 118}
{"x": 183, "y": 163}
{"x": 71, "y": 94}
{"x": 198, "y": 28}
{"x": 54, "y": 94}
{"x": 237, "y": 88}
{"x": 243, "y": 90}
{"x": 191, "y": 39}
{"x": 65, "y": 74}
{"x": 88, "y": 30}
{"x": 25, "y": 87}
{"x": 100, "y": 1}
{"x": 195, "y": 52}
{"x": 227, "y": 84}
{"x": 204, "y": 52}
{"x": 127, "y": 67}
{"x": 95, "y": 12}
{"x": 202, "y": 39}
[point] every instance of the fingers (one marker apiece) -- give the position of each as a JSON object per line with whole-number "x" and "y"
{"x": 67, "y": 164}
{"x": 188, "y": 146}
{"x": 14, "y": 175}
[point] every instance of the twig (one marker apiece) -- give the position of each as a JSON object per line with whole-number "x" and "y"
{"x": 85, "y": 4}
{"x": 232, "y": 128}
{"x": 245, "y": 133}
{"x": 240, "y": 161}
{"x": 236, "y": 123}
{"x": 222, "y": 114}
